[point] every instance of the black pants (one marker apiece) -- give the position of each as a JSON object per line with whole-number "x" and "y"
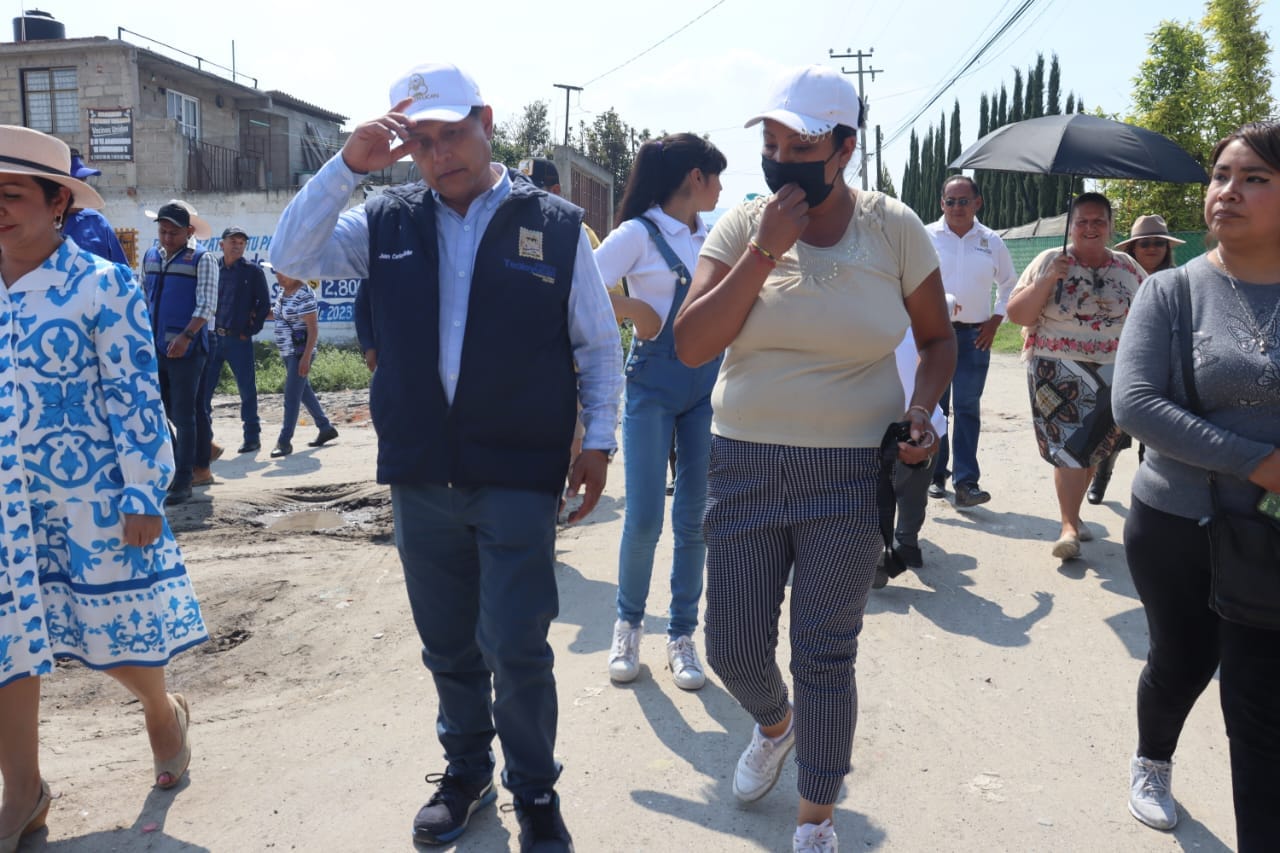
{"x": 1169, "y": 559}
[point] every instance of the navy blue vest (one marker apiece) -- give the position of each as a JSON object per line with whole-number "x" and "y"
{"x": 513, "y": 412}
{"x": 171, "y": 297}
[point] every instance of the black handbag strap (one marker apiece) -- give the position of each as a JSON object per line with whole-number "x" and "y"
{"x": 887, "y": 499}
{"x": 1185, "y": 348}
{"x": 1184, "y": 340}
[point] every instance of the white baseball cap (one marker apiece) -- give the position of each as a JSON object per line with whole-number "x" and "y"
{"x": 812, "y": 100}
{"x": 440, "y": 90}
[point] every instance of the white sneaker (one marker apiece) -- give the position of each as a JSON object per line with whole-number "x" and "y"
{"x": 686, "y": 669}
{"x": 761, "y": 763}
{"x": 1150, "y": 792}
{"x": 624, "y": 656}
{"x": 815, "y": 838}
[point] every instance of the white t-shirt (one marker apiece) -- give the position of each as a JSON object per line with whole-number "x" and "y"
{"x": 908, "y": 358}
{"x": 630, "y": 251}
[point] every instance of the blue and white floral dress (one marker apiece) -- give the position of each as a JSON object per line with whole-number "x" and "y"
{"x": 83, "y": 441}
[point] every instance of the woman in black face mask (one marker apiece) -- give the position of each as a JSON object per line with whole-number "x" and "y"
{"x": 810, "y": 289}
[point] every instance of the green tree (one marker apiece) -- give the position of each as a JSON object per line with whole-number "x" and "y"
{"x": 886, "y": 182}
{"x": 608, "y": 141}
{"x": 1171, "y": 95}
{"x": 953, "y": 142}
{"x": 1240, "y": 76}
{"x": 527, "y": 135}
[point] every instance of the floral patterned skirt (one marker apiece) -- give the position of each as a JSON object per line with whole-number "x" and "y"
{"x": 95, "y": 600}
{"x": 1071, "y": 411}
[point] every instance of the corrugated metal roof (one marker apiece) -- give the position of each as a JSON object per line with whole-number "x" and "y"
{"x": 290, "y": 101}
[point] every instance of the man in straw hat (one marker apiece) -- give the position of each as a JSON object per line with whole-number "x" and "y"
{"x": 473, "y": 399}
{"x": 181, "y": 283}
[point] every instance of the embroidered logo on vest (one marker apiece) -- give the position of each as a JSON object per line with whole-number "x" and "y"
{"x": 530, "y": 244}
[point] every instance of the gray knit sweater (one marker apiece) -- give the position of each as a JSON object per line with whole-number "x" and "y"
{"x": 1239, "y": 388}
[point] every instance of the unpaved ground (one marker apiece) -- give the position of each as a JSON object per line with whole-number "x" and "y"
{"x": 996, "y": 687}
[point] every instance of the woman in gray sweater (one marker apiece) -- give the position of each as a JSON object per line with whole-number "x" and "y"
{"x": 1235, "y": 312}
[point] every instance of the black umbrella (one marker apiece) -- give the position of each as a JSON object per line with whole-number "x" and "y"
{"x": 1083, "y": 146}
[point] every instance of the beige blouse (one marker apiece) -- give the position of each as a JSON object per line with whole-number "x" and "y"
{"x": 813, "y": 365}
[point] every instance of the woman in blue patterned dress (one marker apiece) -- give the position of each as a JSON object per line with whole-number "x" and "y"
{"x": 89, "y": 569}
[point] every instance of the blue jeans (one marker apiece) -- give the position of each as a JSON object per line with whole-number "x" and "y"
{"x": 962, "y": 401}
{"x": 663, "y": 397}
{"x": 479, "y": 567}
{"x": 297, "y": 389}
{"x": 229, "y": 349}
{"x": 179, "y": 385}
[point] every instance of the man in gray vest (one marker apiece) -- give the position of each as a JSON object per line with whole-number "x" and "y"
{"x": 480, "y": 294}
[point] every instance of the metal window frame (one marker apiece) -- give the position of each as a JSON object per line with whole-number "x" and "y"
{"x": 183, "y": 100}
{"x": 49, "y": 95}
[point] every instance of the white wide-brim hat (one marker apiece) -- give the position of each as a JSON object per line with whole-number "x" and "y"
{"x": 24, "y": 151}
{"x": 811, "y": 100}
{"x": 203, "y": 229}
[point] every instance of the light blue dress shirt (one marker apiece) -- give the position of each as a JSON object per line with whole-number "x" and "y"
{"x": 316, "y": 238}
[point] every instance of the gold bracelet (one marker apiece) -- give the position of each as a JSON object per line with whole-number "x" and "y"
{"x": 762, "y": 250}
{"x": 928, "y": 416}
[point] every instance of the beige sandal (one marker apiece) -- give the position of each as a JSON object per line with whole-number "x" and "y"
{"x": 9, "y": 844}
{"x": 175, "y": 767}
{"x": 1067, "y": 548}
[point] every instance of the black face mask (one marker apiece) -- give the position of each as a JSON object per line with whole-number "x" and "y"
{"x": 809, "y": 176}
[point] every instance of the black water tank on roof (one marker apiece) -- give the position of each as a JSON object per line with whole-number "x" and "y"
{"x": 35, "y": 25}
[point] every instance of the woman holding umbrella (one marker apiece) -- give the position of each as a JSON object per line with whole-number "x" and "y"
{"x": 1233, "y": 300}
{"x": 1073, "y": 305}
{"x": 1151, "y": 245}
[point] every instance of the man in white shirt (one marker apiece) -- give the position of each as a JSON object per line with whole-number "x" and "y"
{"x": 971, "y": 257}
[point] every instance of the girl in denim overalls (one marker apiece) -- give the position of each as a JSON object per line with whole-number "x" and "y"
{"x": 656, "y": 247}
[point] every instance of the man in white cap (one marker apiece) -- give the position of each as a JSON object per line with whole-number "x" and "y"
{"x": 480, "y": 294}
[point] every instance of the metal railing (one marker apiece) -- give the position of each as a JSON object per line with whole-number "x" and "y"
{"x": 213, "y": 168}
{"x": 201, "y": 62}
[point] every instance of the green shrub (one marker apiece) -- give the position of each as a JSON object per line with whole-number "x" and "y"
{"x": 334, "y": 368}
{"x": 1008, "y": 339}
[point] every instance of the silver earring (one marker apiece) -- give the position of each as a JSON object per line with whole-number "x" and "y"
{"x": 57, "y": 222}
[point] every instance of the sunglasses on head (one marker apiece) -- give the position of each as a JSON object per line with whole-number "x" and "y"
{"x": 1149, "y": 244}
{"x": 952, "y": 202}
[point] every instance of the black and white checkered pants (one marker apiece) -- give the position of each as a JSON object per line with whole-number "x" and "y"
{"x": 771, "y": 508}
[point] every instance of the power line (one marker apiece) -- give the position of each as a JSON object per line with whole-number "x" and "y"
{"x": 942, "y": 90}
{"x": 658, "y": 43}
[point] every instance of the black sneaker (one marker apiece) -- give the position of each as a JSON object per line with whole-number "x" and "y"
{"x": 937, "y": 490}
{"x": 282, "y": 448}
{"x": 968, "y": 494}
{"x": 542, "y": 830}
{"x": 445, "y": 815}
{"x": 326, "y": 435}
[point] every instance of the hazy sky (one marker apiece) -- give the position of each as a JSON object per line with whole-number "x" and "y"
{"x": 707, "y": 78}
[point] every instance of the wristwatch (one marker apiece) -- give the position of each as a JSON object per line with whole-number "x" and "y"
{"x": 188, "y": 334}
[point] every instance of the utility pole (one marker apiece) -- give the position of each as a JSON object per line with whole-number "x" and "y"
{"x": 879, "y": 168}
{"x": 567, "y": 89}
{"x": 862, "y": 93}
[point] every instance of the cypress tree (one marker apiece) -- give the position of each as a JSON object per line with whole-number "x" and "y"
{"x": 953, "y": 144}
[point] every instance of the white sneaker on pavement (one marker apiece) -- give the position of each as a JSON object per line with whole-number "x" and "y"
{"x": 1151, "y": 794}
{"x": 815, "y": 838}
{"x": 624, "y": 655}
{"x": 761, "y": 763}
{"x": 686, "y": 669}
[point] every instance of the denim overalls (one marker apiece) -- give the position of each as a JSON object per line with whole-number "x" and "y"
{"x": 665, "y": 400}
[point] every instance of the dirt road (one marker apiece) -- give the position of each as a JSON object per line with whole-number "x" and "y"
{"x": 996, "y": 686}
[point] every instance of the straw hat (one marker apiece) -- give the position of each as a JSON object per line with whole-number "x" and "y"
{"x": 24, "y": 151}
{"x": 203, "y": 229}
{"x": 1147, "y": 227}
